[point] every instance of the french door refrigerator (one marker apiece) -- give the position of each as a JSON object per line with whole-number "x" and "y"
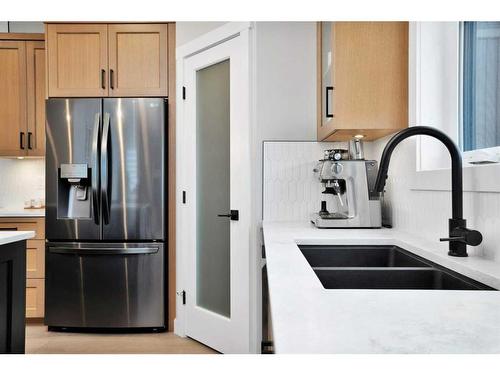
{"x": 106, "y": 213}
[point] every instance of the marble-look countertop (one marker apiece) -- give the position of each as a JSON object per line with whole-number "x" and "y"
{"x": 306, "y": 318}
{"x": 21, "y": 212}
{"x": 7, "y": 237}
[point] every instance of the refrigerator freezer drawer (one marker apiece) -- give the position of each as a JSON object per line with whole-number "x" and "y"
{"x": 99, "y": 285}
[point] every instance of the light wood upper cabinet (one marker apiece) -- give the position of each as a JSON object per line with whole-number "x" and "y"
{"x": 86, "y": 60}
{"x": 13, "y": 114}
{"x": 138, "y": 59}
{"x": 362, "y": 79}
{"x": 35, "y": 64}
{"x": 77, "y": 59}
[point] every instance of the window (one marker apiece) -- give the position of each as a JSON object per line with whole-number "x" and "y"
{"x": 481, "y": 85}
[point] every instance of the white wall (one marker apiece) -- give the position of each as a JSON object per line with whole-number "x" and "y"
{"x": 435, "y": 87}
{"x": 21, "y": 27}
{"x": 187, "y": 31}
{"x": 286, "y": 80}
{"x": 21, "y": 180}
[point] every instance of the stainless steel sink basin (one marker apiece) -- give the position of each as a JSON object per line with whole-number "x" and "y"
{"x": 381, "y": 267}
{"x": 359, "y": 256}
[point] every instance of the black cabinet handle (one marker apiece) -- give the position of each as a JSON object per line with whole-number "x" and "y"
{"x": 329, "y": 90}
{"x": 21, "y": 140}
{"x": 103, "y": 79}
{"x": 234, "y": 215}
{"x": 30, "y": 146}
{"x": 112, "y": 79}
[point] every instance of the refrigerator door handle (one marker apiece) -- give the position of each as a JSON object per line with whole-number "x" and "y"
{"x": 95, "y": 169}
{"x": 105, "y": 170}
{"x": 102, "y": 250}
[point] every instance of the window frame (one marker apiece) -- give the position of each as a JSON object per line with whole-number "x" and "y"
{"x": 479, "y": 156}
{"x": 476, "y": 178}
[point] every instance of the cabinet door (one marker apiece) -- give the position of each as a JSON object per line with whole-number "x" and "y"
{"x": 35, "y": 295}
{"x": 371, "y": 78}
{"x": 12, "y": 98}
{"x": 138, "y": 60}
{"x": 35, "y": 259}
{"x": 77, "y": 59}
{"x": 35, "y": 64}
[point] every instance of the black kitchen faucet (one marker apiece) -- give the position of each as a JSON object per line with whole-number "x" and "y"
{"x": 459, "y": 236}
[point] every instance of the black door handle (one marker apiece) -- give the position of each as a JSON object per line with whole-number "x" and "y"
{"x": 234, "y": 215}
{"x": 329, "y": 91}
{"x": 21, "y": 140}
{"x": 103, "y": 79}
{"x": 30, "y": 146}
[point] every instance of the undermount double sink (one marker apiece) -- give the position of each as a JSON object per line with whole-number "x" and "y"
{"x": 381, "y": 267}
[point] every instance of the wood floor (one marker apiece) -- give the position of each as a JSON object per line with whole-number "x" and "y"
{"x": 40, "y": 341}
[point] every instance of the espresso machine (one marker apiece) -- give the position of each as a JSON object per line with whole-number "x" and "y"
{"x": 349, "y": 200}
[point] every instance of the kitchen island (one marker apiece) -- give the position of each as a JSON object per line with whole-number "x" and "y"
{"x": 13, "y": 290}
{"x": 306, "y": 318}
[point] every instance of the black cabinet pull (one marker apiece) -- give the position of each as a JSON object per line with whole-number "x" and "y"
{"x": 103, "y": 79}
{"x": 234, "y": 215}
{"x": 112, "y": 79}
{"x": 21, "y": 140}
{"x": 329, "y": 90}
{"x": 30, "y": 145}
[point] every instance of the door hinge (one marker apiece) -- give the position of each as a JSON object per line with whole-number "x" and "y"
{"x": 183, "y": 295}
{"x": 184, "y": 92}
{"x": 184, "y": 196}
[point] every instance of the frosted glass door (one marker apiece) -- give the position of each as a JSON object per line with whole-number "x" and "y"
{"x": 214, "y": 169}
{"x": 213, "y": 188}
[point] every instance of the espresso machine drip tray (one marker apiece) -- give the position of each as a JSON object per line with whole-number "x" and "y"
{"x": 333, "y": 216}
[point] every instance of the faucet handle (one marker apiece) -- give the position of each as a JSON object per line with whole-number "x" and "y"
{"x": 460, "y": 238}
{"x": 464, "y": 235}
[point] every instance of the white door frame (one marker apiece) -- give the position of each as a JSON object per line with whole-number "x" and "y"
{"x": 240, "y": 31}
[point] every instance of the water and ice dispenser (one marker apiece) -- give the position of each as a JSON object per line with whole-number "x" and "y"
{"x": 74, "y": 192}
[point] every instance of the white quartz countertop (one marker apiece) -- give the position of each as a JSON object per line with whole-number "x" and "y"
{"x": 14, "y": 236}
{"x": 306, "y": 318}
{"x": 21, "y": 212}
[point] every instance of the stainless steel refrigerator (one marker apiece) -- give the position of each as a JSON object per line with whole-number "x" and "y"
{"x": 106, "y": 213}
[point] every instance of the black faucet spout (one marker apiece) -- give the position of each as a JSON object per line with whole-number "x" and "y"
{"x": 459, "y": 235}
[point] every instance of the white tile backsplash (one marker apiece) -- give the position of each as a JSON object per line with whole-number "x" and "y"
{"x": 21, "y": 180}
